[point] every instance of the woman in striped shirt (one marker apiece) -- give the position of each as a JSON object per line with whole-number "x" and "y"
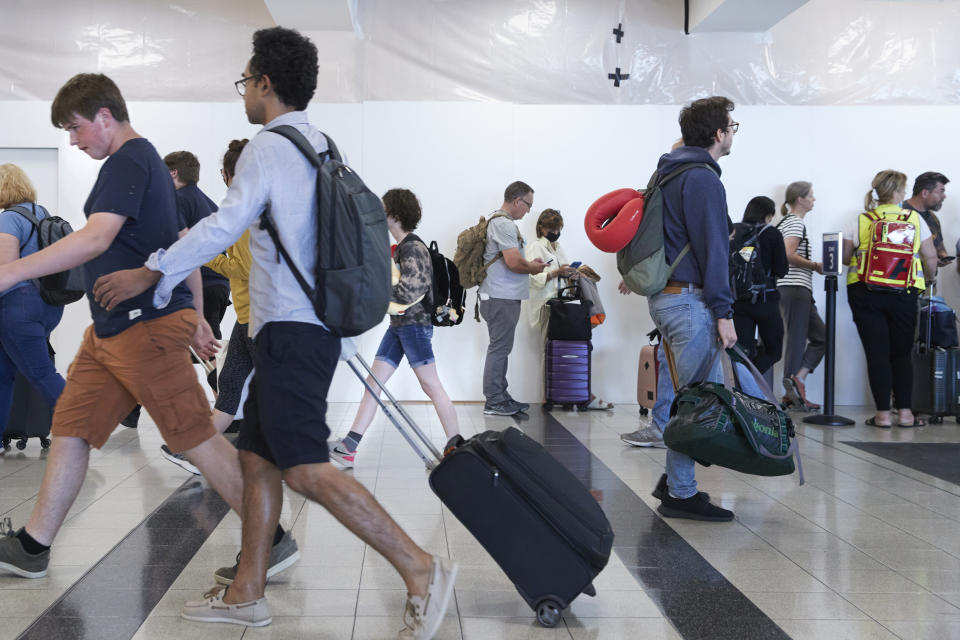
{"x": 804, "y": 328}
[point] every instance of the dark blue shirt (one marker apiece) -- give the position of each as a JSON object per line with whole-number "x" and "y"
{"x": 135, "y": 183}
{"x": 193, "y": 206}
{"x": 695, "y": 204}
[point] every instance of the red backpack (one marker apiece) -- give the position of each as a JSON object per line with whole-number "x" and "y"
{"x": 887, "y": 263}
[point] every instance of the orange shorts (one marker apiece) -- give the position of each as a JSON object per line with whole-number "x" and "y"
{"x": 148, "y": 363}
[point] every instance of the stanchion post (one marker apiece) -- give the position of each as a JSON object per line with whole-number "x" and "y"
{"x": 832, "y": 268}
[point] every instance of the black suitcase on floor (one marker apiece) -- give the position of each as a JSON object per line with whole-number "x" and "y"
{"x": 936, "y": 374}
{"x": 30, "y": 415}
{"x": 933, "y": 382}
{"x": 537, "y": 521}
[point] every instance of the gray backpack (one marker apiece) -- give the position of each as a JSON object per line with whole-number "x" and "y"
{"x": 353, "y": 248}
{"x": 643, "y": 262}
{"x": 57, "y": 289}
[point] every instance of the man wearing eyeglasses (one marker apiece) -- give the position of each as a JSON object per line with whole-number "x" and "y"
{"x": 694, "y": 313}
{"x": 507, "y": 283}
{"x": 284, "y": 438}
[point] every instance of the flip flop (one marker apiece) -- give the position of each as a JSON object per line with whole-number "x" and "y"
{"x": 872, "y": 422}
{"x": 598, "y": 403}
{"x": 917, "y": 422}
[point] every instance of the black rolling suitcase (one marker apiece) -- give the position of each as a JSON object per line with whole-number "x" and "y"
{"x": 537, "y": 521}
{"x": 30, "y": 415}
{"x": 936, "y": 375}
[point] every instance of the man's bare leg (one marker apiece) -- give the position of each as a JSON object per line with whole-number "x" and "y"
{"x": 217, "y": 460}
{"x": 262, "y": 502}
{"x": 62, "y": 479}
{"x": 356, "y": 508}
{"x": 221, "y": 420}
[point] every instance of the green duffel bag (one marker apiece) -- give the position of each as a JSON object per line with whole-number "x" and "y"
{"x": 719, "y": 424}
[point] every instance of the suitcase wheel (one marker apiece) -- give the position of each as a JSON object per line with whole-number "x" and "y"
{"x": 22, "y": 444}
{"x": 548, "y": 613}
{"x": 548, "y": 406}
{"x": 45, "y": 443}
{"x": 933, "y": 420}
{"x": 644, "y": 411}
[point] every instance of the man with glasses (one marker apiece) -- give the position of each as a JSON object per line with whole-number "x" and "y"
{"x": 694, "y": 312}
{"x": 285, "y": 434}
{"x": 507, "y": 283}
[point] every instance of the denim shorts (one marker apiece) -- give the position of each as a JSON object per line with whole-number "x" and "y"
{"x": 412, "y": 340}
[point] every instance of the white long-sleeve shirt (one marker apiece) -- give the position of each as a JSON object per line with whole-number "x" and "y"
{"x": 541, "y": 287}
{"x": 270, "y": 170}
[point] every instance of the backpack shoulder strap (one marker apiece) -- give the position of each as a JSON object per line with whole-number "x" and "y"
{"x": 660, "y": 181}
{"x": 300, "y": 142}
{"x": 759, "y": 233}
{"x": 32, "y": 217}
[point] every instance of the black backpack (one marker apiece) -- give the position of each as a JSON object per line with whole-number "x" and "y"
{"x": 448, "y": 295}
{"x": 353, "y": 247}
{"x": 748, "y": 278}
{"x": 57, "y": 289}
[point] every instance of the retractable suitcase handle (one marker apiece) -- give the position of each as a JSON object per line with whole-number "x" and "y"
{"x": 429, "y": 453}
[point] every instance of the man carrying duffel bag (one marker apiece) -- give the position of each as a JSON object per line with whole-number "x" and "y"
{"x": 717, "y": 423}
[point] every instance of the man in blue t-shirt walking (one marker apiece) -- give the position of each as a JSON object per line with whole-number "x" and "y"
{"x": 133, "y": 352}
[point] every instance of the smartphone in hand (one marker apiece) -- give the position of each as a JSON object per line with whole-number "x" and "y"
{"x": 575, "y": 265}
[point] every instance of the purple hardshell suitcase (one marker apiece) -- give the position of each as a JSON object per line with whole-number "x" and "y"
{"x": 567, "y": 375}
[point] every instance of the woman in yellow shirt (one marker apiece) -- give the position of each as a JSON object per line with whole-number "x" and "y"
{"x": 235, "y": 264}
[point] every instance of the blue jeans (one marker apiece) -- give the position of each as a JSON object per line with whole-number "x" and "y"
{"x": 411, "y": 340}
{"x": 691, "y": 330}
{"x": 665, "y": 395}
{"x": 26, "y": 322}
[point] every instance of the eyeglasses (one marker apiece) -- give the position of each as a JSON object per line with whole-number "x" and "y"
{"x": 529, "y": 204}
{"x": 733, "y": 126}
{"x": 241, "y": 84}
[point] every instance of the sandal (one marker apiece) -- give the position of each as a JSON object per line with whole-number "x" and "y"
{"x": 917, "y": 422}
{"x": 872, "y": 422}
{"x": 598, "y": 404}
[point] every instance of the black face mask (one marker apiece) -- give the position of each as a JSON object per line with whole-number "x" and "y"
{"x": 552, "y": 236}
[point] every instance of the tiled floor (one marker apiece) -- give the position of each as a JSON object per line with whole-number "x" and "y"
{"x": 866, "y": 549}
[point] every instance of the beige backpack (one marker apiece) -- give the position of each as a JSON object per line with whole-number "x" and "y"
{"x": 471, "y": 244}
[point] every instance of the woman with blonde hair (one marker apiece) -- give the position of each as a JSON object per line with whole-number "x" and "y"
{"x": 882, "y": 290}
{"x": 805, "y": 332}
{"x": 26, "y": 321}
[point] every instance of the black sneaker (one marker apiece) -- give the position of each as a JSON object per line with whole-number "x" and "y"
{"x": 696, "y": 507}
{"x": 132, "y": 419}
{"x": 661, "y": 489}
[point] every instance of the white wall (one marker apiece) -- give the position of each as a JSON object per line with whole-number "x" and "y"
{"x": 458, "y": 157}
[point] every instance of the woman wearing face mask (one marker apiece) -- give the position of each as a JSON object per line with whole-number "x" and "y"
{"x": 543, "y": 285}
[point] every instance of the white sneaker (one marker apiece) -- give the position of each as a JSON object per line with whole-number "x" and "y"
{"x": 341, "y": 456}
{"x": 423, "y": 616}
{"x": 212, "y": 608}
{"x": 179, "y": 459}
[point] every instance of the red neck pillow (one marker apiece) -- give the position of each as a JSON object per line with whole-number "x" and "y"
{"x": 612, "y": 220}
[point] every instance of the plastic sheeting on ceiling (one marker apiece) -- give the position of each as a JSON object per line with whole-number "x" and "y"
{"x": 520, "y": 51}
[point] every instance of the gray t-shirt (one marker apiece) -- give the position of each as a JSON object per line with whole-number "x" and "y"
{"x": 503, "y": 233}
